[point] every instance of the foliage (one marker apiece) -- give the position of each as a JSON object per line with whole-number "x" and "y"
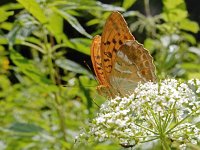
{"x": 46, "y": 97}
{"x": 170, "y": 37}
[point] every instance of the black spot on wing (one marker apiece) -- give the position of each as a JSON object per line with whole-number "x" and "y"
{"x": 108, "y": 42}
{"x": 106, "y": 60}
{"x": 114, "y": 41}
{"x": 120, "y": 42}
{"x": 108, "y": 54}
{"x": 114, "y": 50}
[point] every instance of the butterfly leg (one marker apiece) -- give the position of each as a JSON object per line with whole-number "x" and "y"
{"x": 105, "y": 91}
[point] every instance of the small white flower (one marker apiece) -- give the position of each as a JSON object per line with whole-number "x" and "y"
{"x": 183, "y": 147}
{"x": 194, "y": 141}
{"x": 100, "y": 120}
{"x": 140, "y": 116}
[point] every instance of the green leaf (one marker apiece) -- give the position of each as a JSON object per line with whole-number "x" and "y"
{"x": 81, "y": 44}
{"x": 71, "y": 66}
{"x": 149, "y": 44}
{"x": 12, "y": 6}
{"x": 25, "y": 127}
{"x": 6, "y": 26}
{"x": 3, "y": 40}
{"x": 128, "y": 3}
{"x": 191, "y": 66}
{"x": 195, "y": 50}
{"x": 5, "y": 82}
{"x": 34, "y": 8}
{"x": 12, "y": 35}
{"x": 55, "y": 25}
{"x": 93, "y": 22}
{"x": 5, "y": 14}
{"x": 109, "y": 7}
{"x": 28, "y": 68}
{"x": 170, "y": 4}
{"x": 189, "y": 37}
{"x": 192, "y": 75}
{"x": 188, "y": 25}
{"x": 175, "y": 15}
{"x": 72, "y": 21}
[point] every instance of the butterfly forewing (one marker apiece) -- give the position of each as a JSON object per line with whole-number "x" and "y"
{"x": 115, "y": 33}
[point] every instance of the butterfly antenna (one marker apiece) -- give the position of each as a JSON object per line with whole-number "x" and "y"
{"x": 90, "y": 71}
{"x": 95, "y": 103}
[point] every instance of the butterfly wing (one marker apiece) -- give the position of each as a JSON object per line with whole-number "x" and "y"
{"x": 104, "y": 87}
{"x": 133, "y": 64}
{"x": 97, "y": 60}
{"x": 115, "y": 33}
{"x": 119, "y": 61}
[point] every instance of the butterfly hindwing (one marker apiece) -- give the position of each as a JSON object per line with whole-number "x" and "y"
{"x": 133, "y": 64}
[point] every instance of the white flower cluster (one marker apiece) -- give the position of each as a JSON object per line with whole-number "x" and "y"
{"x": 155, "y": 111}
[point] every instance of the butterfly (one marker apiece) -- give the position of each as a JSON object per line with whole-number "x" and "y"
{"x": 119, "y": 61}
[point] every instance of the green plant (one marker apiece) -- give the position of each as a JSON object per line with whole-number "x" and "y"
{"x": 45, "y": 96}
{"x": 170, "y": 38}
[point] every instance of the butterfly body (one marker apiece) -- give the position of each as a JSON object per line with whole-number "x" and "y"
{"x": 119, "y": 61}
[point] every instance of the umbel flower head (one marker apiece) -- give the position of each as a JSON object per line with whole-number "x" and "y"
{"x": 167, "y": 112}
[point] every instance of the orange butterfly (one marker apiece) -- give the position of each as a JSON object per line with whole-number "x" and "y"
{"x": 119, "y": 61}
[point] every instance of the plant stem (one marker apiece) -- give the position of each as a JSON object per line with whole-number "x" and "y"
{"x": 57, "y": 104}
{"x": 147, "y": 8}
{"x": 165, "y": 144}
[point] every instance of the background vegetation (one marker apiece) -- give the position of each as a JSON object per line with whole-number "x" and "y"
{"x": 47, "y": 92}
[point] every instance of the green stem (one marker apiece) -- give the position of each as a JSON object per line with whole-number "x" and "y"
{"x": 154, "y": 117}
{"x": 149, "y": 140}
{"x": 61, "y": 116}
{"x": 182, "y": 120}
{"x": 164, "y": 142}
{"x": 57, "y": 103}
{"x": 168, "y": 119}
{"x": 146, "y": 128}
{"x": 147, "y": 8}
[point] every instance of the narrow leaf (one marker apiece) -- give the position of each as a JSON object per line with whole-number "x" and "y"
{"x": 170, "y": 4}
{"x": 25, "y": 127}
{"x": 56, "y": 25}
{"x": 28, "y": 68}
{"x": 5, "y": 14}
{"x": 34, "y": 8}
{"x": 188, "y": 25}
{"x": 72, "y": 21}
{"x": 128, "y": 3}
{"x": 81, "y": 45}
{"x": 71, "y": 66}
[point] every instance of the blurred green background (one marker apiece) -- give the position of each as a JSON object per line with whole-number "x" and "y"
{"x": 47, "y": 92}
